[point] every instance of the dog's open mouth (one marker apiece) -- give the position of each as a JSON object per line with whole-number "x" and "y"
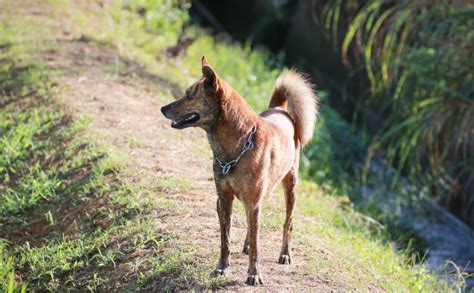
{"x": 185, "y": 121}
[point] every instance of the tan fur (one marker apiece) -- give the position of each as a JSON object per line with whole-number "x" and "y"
{"x": 213, "y": 105}
{"x": 297, "y": 91}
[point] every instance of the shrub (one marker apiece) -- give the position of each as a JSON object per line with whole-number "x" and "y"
{"x": 417, "y": 60}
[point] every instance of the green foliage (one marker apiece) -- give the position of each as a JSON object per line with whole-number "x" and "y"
{"x": 159, "y": 22}
{"x": 330, "y": 157}
{"x": 417, "y": 60}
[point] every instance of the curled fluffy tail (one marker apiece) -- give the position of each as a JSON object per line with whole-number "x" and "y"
{"x": 294, "y": 90}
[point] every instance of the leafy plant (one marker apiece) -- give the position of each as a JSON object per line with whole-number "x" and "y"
{"x": 417, "y": 60}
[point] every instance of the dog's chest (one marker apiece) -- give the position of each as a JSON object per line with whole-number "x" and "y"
{"x": 241, "y": 182}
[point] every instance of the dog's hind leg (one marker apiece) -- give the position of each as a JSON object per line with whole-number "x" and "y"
{"x": 289, "y": 186}
{"x": 224, "y": 210}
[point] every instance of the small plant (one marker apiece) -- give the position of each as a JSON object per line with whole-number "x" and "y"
{"x": 8, "y": 281}
{"x": 50, "y": 218}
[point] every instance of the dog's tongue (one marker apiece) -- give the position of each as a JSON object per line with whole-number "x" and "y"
{"x": 174, "y": 122}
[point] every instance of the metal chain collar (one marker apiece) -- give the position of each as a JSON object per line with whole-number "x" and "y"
{"x": 248, "y": 145}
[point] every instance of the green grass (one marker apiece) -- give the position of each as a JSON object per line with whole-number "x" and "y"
{"x": 44, "y": 165}
{"x": 52, "y": 170}
{"x": 369, "y": 250}
{"x": 49, "y": 163}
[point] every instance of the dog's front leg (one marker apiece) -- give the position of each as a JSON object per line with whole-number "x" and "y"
{"x": 224, "y": 210}
{"x": 254, "y": 277}
{"x": 245, "y": 250}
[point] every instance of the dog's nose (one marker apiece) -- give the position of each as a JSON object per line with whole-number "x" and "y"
{"x": 164, "y": 109}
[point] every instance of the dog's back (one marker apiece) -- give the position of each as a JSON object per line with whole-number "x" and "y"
{"x": 281, "y": 118}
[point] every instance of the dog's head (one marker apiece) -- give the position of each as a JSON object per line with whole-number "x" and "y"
{"x": 200, "y": 104}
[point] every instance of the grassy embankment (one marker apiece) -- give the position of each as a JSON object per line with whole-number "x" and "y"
{"x": 71, "y": 217}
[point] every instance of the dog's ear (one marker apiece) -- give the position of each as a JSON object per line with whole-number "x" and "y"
{"x": 204, "y": 61}
{"x": 208, "y": 73}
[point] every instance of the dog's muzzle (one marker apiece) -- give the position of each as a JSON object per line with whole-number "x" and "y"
{"x": 165, "y": 111}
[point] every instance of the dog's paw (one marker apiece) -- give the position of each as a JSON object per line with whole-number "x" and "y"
{"x": 284, "y": 259}
{"x": 219, "y": 272}
{"x": 254, "y": 280}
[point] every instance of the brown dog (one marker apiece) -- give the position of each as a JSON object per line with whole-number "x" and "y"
{"x": 252, "y": 153}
